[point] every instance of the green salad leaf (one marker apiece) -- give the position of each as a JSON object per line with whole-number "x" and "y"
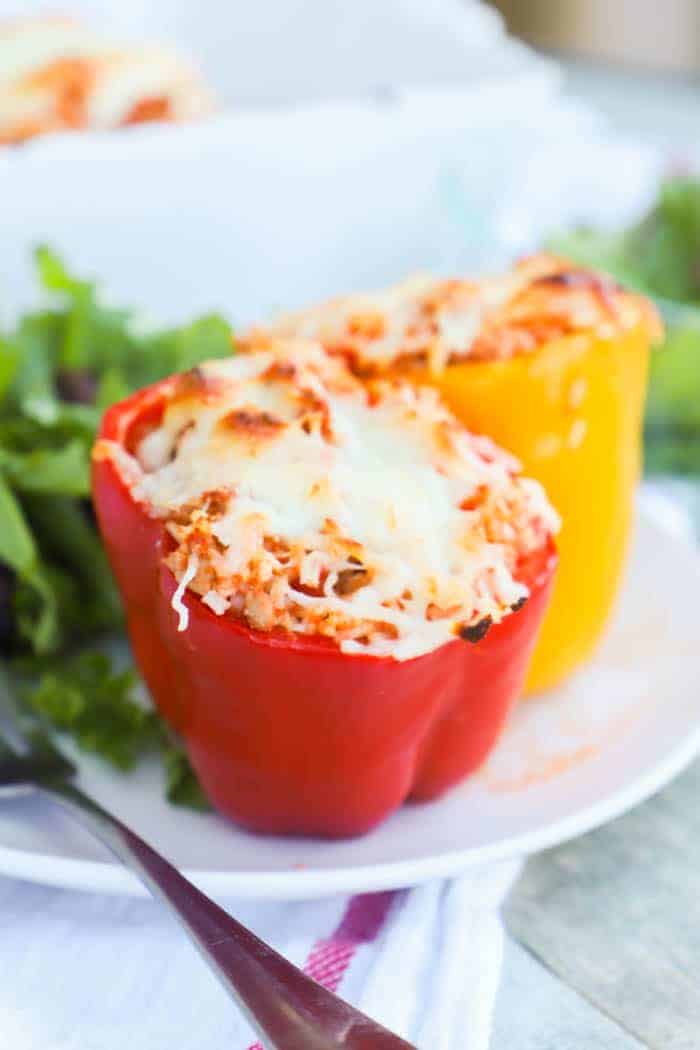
{"x": 61, "y": 366}
{"x": 17, "y": 547}
{"x": 660, "y": 256}
{"x": 62, "y": 470}
{"x": 102, "y": 709}
{"x": 181, "y": 786}
{"x": 86, "y": 697}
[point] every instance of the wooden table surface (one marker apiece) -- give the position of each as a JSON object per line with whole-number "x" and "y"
{"x": 603, "y": 946}
{"x": 604, "y": 936}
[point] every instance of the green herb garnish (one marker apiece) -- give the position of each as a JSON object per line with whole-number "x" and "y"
{"x": 103, "y": 710}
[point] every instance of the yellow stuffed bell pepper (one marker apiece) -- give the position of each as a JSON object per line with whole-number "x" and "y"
{"x": 572, "y": 414}
{"x": 550, "y": 361}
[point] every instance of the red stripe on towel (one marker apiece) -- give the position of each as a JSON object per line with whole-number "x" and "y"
{"x": 330, "y": 957}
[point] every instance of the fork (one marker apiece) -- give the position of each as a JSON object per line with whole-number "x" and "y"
{"x": 288, "y": 1010}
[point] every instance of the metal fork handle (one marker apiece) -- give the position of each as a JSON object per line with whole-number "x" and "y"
{"x": 289, "y": 1010}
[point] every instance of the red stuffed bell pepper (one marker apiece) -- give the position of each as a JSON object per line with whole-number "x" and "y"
{"x": 332, "y": 590}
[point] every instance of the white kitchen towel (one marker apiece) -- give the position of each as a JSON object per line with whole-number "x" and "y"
{"x": 85, "y": 972}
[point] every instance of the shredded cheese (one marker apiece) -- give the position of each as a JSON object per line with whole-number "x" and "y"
{"x": 297, "y": 497}
{"x": 436, "y": 321}
{"x": 185, "y": 580}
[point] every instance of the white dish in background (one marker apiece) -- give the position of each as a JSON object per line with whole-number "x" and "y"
{"x": 568, "y": 762}
{"x": 301, "y": 51}
{"x": 265, "y": 210}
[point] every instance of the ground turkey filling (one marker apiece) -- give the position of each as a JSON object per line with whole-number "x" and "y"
{"x": 297, "y": 498}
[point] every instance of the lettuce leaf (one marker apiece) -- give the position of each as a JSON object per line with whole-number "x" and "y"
{"x": 102, "y": 709}
{"x": 660, "y": 257}
{"x": 60, "y": 368}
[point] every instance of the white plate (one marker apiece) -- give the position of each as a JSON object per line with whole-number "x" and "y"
{"x": 567, "y": 763}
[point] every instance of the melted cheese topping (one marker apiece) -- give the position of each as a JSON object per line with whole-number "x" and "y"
{"x": 298, "y": 498}
{"x": 57, "y": 74}
{"x": 437, "y": 321}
